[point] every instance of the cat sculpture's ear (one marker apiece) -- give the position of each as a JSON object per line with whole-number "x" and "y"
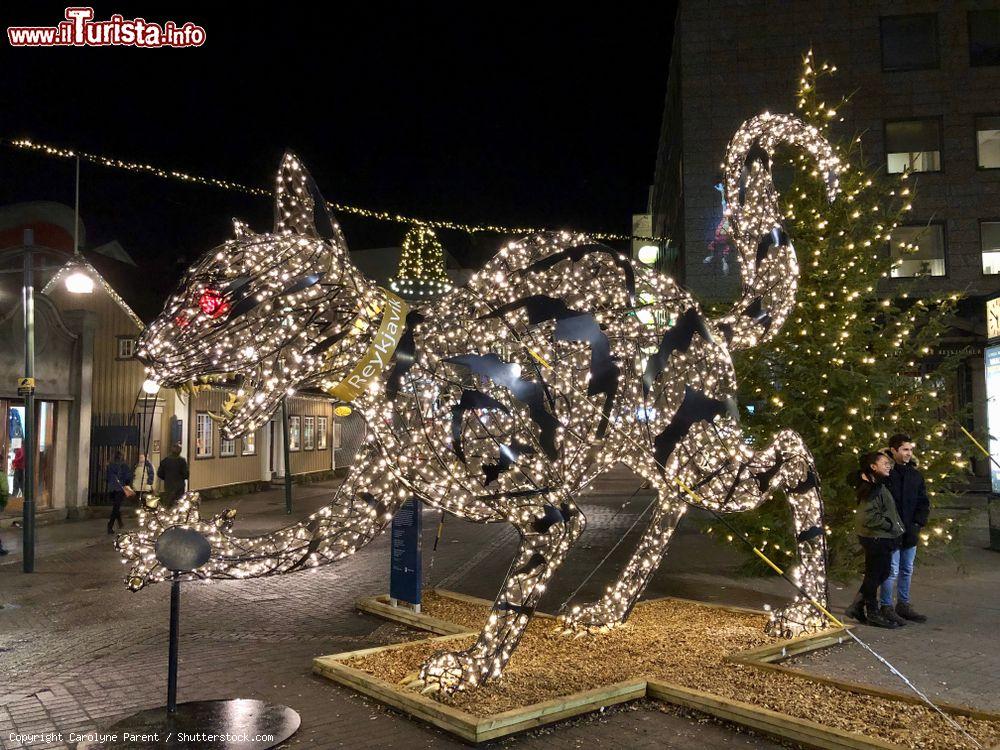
{"x": 299, "y": 207}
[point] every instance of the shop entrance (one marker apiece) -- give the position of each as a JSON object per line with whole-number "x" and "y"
{"x": 12, "y": 453}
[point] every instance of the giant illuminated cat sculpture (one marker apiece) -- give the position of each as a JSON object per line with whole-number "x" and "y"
{"x": 503, "y": 399}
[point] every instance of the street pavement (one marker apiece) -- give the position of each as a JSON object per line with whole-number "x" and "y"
{"x": 78, "y": 651}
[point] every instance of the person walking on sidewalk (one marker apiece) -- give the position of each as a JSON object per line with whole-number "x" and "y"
{"x": 18, "y": 465}
{"x": 879, "y": 531}
{"x": 914, "y": 507}
{"x": 4, "y": 490}
{"x": 143, "y": 477}
{"x": 174, "y": 473}
{"x": 119, "y": 478}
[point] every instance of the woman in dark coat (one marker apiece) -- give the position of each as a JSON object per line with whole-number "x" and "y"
{"x": 879, "y": 530}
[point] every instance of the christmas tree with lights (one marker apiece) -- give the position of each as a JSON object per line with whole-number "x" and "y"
{"x": 850, "y": 367}
{"x": 421, "y": 272}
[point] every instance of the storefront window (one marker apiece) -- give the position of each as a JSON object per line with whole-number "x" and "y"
{"x": 308, "y": 433}
{"x": 322, "y": 426}
{"x": 203, "y": 435}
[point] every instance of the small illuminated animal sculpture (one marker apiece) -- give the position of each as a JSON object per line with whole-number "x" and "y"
{"x": 502, "y": 400}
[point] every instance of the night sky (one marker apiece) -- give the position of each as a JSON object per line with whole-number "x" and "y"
{"x": 515, "y": 118}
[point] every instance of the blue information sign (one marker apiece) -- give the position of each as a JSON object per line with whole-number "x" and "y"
{"x": 405, "y": 574}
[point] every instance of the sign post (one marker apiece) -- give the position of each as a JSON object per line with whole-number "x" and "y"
{"x": 405, "y": 571}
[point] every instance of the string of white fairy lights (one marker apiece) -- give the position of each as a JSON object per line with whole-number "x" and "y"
{"x": 112, "y": 162}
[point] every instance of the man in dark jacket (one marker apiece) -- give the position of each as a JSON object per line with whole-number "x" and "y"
{"x": 909, "y": 492}
{"x": 174, "y": 473}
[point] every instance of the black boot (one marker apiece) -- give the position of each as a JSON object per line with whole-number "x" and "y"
{"x": 903, "y": 609}
{"x": 889, "y": 614}
{"x": 874, "y": 617}
{"x": 857, "y": 608}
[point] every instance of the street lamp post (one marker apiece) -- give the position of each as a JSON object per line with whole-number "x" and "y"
{"x": 28, "y": 509}
{"x": 288, "y": 459}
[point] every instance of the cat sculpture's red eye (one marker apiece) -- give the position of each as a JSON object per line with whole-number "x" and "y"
{"x": 212, "y": 303}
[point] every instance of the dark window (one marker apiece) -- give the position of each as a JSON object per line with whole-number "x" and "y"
{"x": 910, "y": 42}
{"x": 984, "y": 37}
{"x": 917, "y": 250}
{"x": 989, "y": 238}
{"x": 913, "y": 145}
{"x": 988, "y": 142}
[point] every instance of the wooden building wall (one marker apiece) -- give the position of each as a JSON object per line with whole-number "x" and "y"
{"x": 116, "y": 382}
{"x": 216, "y": 470}
{"x": 306, "y": 461}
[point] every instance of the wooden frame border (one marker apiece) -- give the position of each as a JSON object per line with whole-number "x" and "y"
{"x": 476, "y": 729}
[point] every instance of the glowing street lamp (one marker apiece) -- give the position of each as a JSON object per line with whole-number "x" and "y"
{"x": 648, "y": 254}
{"x": 79, "y": 282}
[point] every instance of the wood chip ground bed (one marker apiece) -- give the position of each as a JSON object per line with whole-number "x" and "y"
{"x": 717, "y": 660}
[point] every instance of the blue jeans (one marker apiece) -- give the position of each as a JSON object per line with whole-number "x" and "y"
{"x": 901, "y": 571}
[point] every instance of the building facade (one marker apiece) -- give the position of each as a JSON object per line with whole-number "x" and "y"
{"x": 924, "y": 80}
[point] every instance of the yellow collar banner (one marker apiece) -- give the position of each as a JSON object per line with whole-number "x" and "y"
{"x": 383, "y": 345}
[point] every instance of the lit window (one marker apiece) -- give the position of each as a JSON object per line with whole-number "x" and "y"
{"x": 294, "y": 431}
{"x": 910, "y": 42}
{"x": 308, "y": 433}
{"x": 913, "y": 145}
{"x": 322, "y": 426}
{"x": 988, "y": 142}
{"x": 126, "y": 347}
{"x": 989, "y": 239}
{"x": 250, "y": 444}
{"x": 227, "y": 447}
{"x": 917, "y": 250}
{"x": 984, "y": 37}
{"x": 337, "y": 433}
{"x": 202, "y": 435}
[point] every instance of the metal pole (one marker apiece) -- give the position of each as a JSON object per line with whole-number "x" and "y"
{"x": 288, "y": 462}
{"x": 76, "y": 213}
{"x": 175, "y": 616}
{"x": 28, "y": 519}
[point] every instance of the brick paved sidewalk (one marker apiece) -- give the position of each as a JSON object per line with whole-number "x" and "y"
{"x": 78, "y": 651}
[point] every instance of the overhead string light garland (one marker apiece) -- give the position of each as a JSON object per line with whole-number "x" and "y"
{"x": 502, "y": 400}
{"x": 26, "y": 144}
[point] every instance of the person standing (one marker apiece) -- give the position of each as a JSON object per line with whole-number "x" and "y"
{"x": 174, "y": 473}
{"x": 143, "y": 477}
{"x": 4, "y": 491}
{"x": 879, "y": 530}
{"x": 119, "y": 478}
{"x": 18, "y": 465}
{"x": 910, "y": 493}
